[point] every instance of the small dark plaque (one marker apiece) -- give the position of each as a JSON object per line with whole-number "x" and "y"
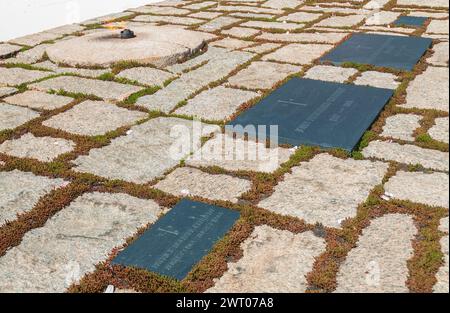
{"x": 179, "y": 240}
{"x": 414, "y": 21}
{"x": 397, "y": 52}
{"x": 317, "y": 113}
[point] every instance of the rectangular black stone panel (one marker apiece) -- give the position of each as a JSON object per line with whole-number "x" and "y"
{"x": 179, "y": 240}
{"x": 317, "y": 113}
{"x": 396, "y": 52}
{"x": 415, "y": 21}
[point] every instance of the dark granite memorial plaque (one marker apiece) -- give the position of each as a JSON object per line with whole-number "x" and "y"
{"x": 317, "y": 113}
{"x": 179, "y": 240}
{"x": 397, "y": 52}
{"x": 415, "y": 21}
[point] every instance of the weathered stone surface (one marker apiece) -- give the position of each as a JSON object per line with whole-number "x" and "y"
{"x": 66, "y": 29}
{"x": 194, "y": 182}
{"x": 438, "y": 27}
{"x": 216, "y": 104}
{"x": 330, "y": 73}
{"x": 218, "y": 23}
{"x": 379, "y": 261}
{"x": 43, "y": 149}
{"x": 407, "y": 154}
{"x": 6, "y": 91}
{"x": 184, "y": 20}
{"x": 301, "y": 17}
{"x": 84, "y": 118}
{"x": 377, "y": 79}
{"x": 146, "y": 75}
{"x": 16, "y": 76}
{"x": 439, "y": 131}
{"x": 160, "y": 10}
{"x": 430, "y": 189}
{"x": 262, "y": 48}
{"x": 282, "y": 4}
{"x": 325, "y": 190}
{"x": 429, "y": 90}
{"x": 104, "y": 89}
{"x": 107, "y": 18}
{"x": 235, "y": 155}
{"x": 86, "y": 72}
{"x": 38, "y": 100}
{"x": 241, "y": 32}
{"x": 304, "y": 37}
{"x": 341, "y": 21}
{"x": 157, "y": 45}
{"x": 232, "y": 43}
{"x": 29, "y": 56}
{"x": 435, "y": 14}
{"x": 442, "y": 275}
{"x": 382, "y": 18}
{"x": 73, "y": 241}
{"x": 146, "y": 152}
{"x": 335, "y": 10}
{"x": 272, "y": 25}
{"x": 21, "y": 191}
{"x": 440, "y": 55}
{"x": 211, "y": 54}
{"x": 35, "y": 39}
{"x": 247, "y": 9}
{"x": 6, "y": 49}
{"x": 12, "y": 116}
{"x": 262, "y": 75}
{"x": 273, "y": 261}
{"x": 251, "y": 15}
{"x": 401, "y": 126}
{"x": 199, "y": 5}
{"x": 298, "y": 53}
{"x": 205, "y": 15}
{"x": 428, "y": 3}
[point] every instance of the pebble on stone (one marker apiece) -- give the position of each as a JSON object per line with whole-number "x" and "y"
{"x": 104, "y": 89}
{"x": 73, "y": 241}
{"x": 378, "y": 263}
{"x": 44, "y": 149}
{"x": 341, "y": 21}
{"x": 273, "y": 261}
{"x": 16, "y": 76}
{"x": 325, "y": 189}
{"x": 146, "y": 75}
{"x": 407, "y": 154}
{"x": 201, "y": 184}
{"x": 330, "y": 73}
{"x": 439, "y": 131}
{"x": 216, "y": 104}
{"x": 378, "y": 80}
{"x": 83, "y": 119}
{"x": 262, "y": 75}
{"x": 401, "y": 126}
{"x": 12, "y": 116}
{"x": 39, "y": 100}
{"x": 443, "y": 274}
{"x": 298, "y": 53}
{"x": 21, "y": 191}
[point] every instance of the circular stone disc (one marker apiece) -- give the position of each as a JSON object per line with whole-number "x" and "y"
{"x": 157, "y": 45}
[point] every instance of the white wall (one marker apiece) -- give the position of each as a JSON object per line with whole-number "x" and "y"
{"x": 23, "y": 17}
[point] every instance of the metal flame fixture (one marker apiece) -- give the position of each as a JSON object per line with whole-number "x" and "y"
{"x": 127, "y": 34}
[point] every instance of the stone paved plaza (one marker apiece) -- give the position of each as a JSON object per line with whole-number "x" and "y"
{"x": 100, "y": 137}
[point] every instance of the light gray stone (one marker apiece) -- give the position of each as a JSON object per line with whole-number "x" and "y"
{"x": 7, "y": 49}
{"x": 12, "y": 116}
{"x": 218, "y": 23}
{"x": 263, "y": 48}
{"x": 420, "y": 3}
{"x": 216, "y": 104}
{"x": 246, "y": 9}
{"x": 16, "y": 76}
{"x": 21, "y": 191}
{"x": 93, "y": 73}
{"x": 330, "y": 73}
{"x": 44, "y": 149}
{"x": 6, "y": 91}
{"x": 73, "y": 241}
{"x": 430, "y": 189}
{"x": 428, "y": 14}
{"x": 301, "y": 17}
{"x": 232, "y": 43}
{"x": 84, "y": 118}
{"x": 440, "y": 55}
{"x": 30, "y": 56}
{"x": 146, "y": 152}
{"x": 272, "y": 25}
{"x": 38, "y": 100}
{"x": 66, "y": 29}
{"x": 341, "y": 21}
{"x": 200, "y": 5}
{"x": 379, "y": 261}
{"x": 104, "y": 89}
{"x": 407, "y": 154}
{"x": 377, "y": 79}
{"x": 439, "y": 131}
{"x": 146, "y": 75}
{"x": 273, "y": 261}
{"x": 335, "y": 9}
{"x": 241, "y": 32}
{"x": 181, "y": 20}
{"x": 331, "y": 38}
{"x": 190, "y": 181}
{"x": 401, "y": 126}
{"x": 438, "y": 27}
{"x": 262, "y": 75}
{"x": 429, "y": 90}
{"x": 282, "y": 4}
{"x": 382, "y": 18}
{"x": 205, "y": 15}
{"x": 326, "y": 189}
{"x": 251, "y": 15}
{"x": 160, "y": 10}
{"x": 442, "y": 275}
{"x": 211, "y": 54}
{"x": 35, "y": 39}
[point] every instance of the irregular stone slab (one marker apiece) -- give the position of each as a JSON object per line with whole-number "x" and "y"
{"x": 93, "y": 73}
{"x": 205, "y": 15}
{"x": 146, "y": 75}
{"x": 304, "y": 37}
{"x": 438, "y": 27}
{"x": 298, "y": 53}
{"x": 146, "y": 152}
{"x": 157, "y": 45}
{"x": 382, "y": 18}
{"x": 429, "y": 90}
{"x": 335, "y": 10}
{"x": 6, "y": 91}
{"x": 218, "y": 23}
{"x": 330, "y": 73}
{"x": 263, "y": 48}
{"x": 241, "y": 32}
{"x": 168, "y": 19}
{"x": 273, "y": 261}
{"x": 430, "y": 189}
{"x": 379, "y": 261}
{"x": 232, "y": 43}
{"x": 377, "y": 79}
{"x": 39, "y": 100}
{"x": 262, "y": 75}
{"x": 160, "y": 10}
{"x": 251, "y": 15}
{"x": 188, "y": 84}
{"x": 30, "y": 56}
{"x": 35, "y": 39}
{"x": 341, "y": 21}
{"x": 282, "y": 4}
{"x": 107, "y": 18}
{"x": 12, "y": 116}
{"x": 247, "y": 9}
{"x": 217, "y": 104}
{"x": 301, "y": 17}
{"x": 83, "y": 119}
{"x": 407, "y": 154}
{"x": 6, "y": 49}
{"x": 419, "y": 3}
{"x": 66, "y": 29}
{"x": 442, "y": 275}
{"x": 325, "y": 190}
{"x": 16, "y": 76}
{"x": 440, "y": 129}
{"x": 401, "y": 126}
{"x": 190, "y": 181}
{"x": 44, "y": 149}
{"x": 73, "y": 241}
{"x": 440, "y": 55}
{"x": 199, "y": 5}
{"x": 104, "y": 89}
{"x": 428, "y": 14}
{"x": 211, "y": 54}
{"x": 272, "y": 25}
{"x": 237, "y": 154}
